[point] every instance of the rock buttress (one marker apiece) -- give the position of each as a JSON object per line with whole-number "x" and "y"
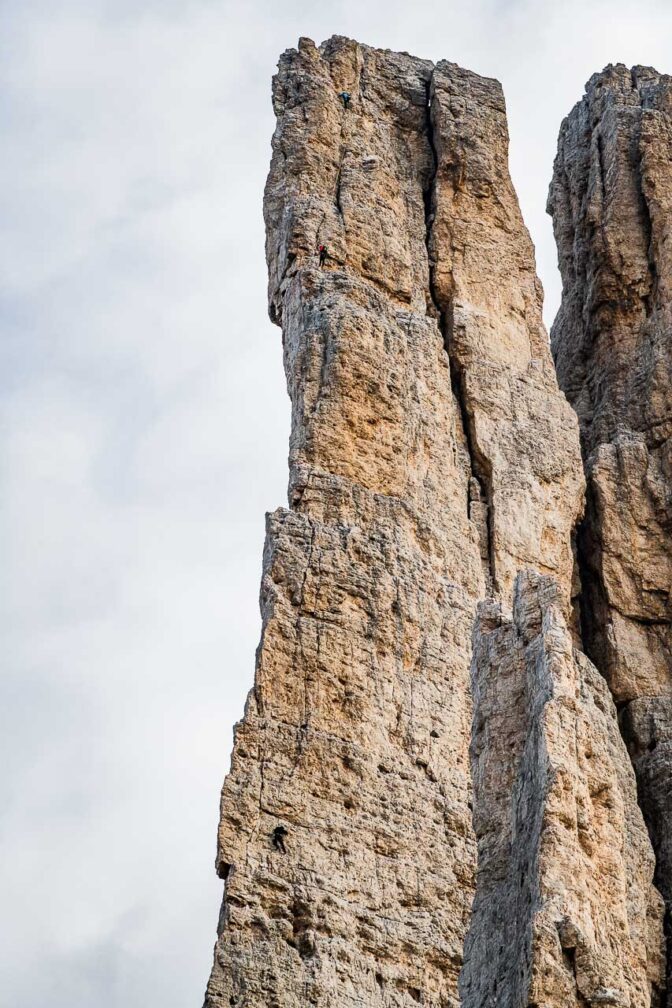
{"x": 432, "y": 457}
{"x": 611, "y": 201}
{"x": 565, "y": 912}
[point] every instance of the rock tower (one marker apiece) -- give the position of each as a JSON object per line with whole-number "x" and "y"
{"x": 611, "y": 201}
{"x": 430, "y": 801}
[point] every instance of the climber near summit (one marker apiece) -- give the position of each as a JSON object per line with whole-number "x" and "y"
{"x": 345, "y": 98}
{"x": 323, "y": 252}
{"x": 278, "y": 838}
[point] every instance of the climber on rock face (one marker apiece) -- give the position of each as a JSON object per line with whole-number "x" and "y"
{"x": 278, "y": 839}
{"x": 323, "y": 252}
{"x": 345, "y": 98}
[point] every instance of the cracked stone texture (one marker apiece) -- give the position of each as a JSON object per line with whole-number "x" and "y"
{"x": 522, "y": 434}
{"x": 611, "y": 201}
{"x": 565, "y": 911}
{"x": 432, "y": 457}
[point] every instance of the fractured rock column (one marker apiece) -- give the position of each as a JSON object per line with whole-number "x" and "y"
{"x": 611, "y": 201}
{"x": 356, "y": 734}
{"x": 565, "y": 911}
{"x": 432, "y": 459}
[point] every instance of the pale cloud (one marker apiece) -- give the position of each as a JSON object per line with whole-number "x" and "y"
{"x": 145, "y": 423}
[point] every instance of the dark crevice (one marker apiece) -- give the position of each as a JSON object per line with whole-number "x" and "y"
{"x": 650, "y": 297}
{"x": 480, "y": 494}
{"x": 429, "y": 197}
{"x": 588, "y": 584}
{"x": 600, "y": 164}
{"x": 338, "y": 191}
{"x": 569, "y": 955}
{"x": 576, "y": 624}
{"x": 479, "y": 503}
{"x": 337, "y": 197}
{"x": 341, "y": 152}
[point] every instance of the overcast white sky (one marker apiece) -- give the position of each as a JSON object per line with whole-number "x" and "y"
{"x": 144, "y": 429}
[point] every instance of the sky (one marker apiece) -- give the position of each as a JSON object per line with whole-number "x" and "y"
{"x": 143, "y": 433}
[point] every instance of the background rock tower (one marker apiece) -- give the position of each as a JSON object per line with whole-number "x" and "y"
{"x": 611, "y": 201}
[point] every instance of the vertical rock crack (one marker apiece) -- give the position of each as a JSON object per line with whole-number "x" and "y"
{"x": 480, "y": 508}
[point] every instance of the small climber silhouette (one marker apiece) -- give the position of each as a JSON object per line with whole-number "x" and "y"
{"x": 345, "y": 98}
{"x": 323, "y": 252}
{"x": 278, "y": 839}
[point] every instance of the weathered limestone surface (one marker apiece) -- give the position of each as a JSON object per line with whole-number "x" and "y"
{"x": 611, "y": 201}
{"x": 522, "y": 433}
{"x": 356, "y": 734}
{"x": 565, "y": 911}
{"x": 432, "y": 459}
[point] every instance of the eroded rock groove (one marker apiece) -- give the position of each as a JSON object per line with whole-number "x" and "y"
{"x": 480, "y": 496}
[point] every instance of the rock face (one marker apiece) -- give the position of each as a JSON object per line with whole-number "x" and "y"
{"x": 432, "y": 460}
{"x": 611, "y": 201}
{"x": 565, "y": 912}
